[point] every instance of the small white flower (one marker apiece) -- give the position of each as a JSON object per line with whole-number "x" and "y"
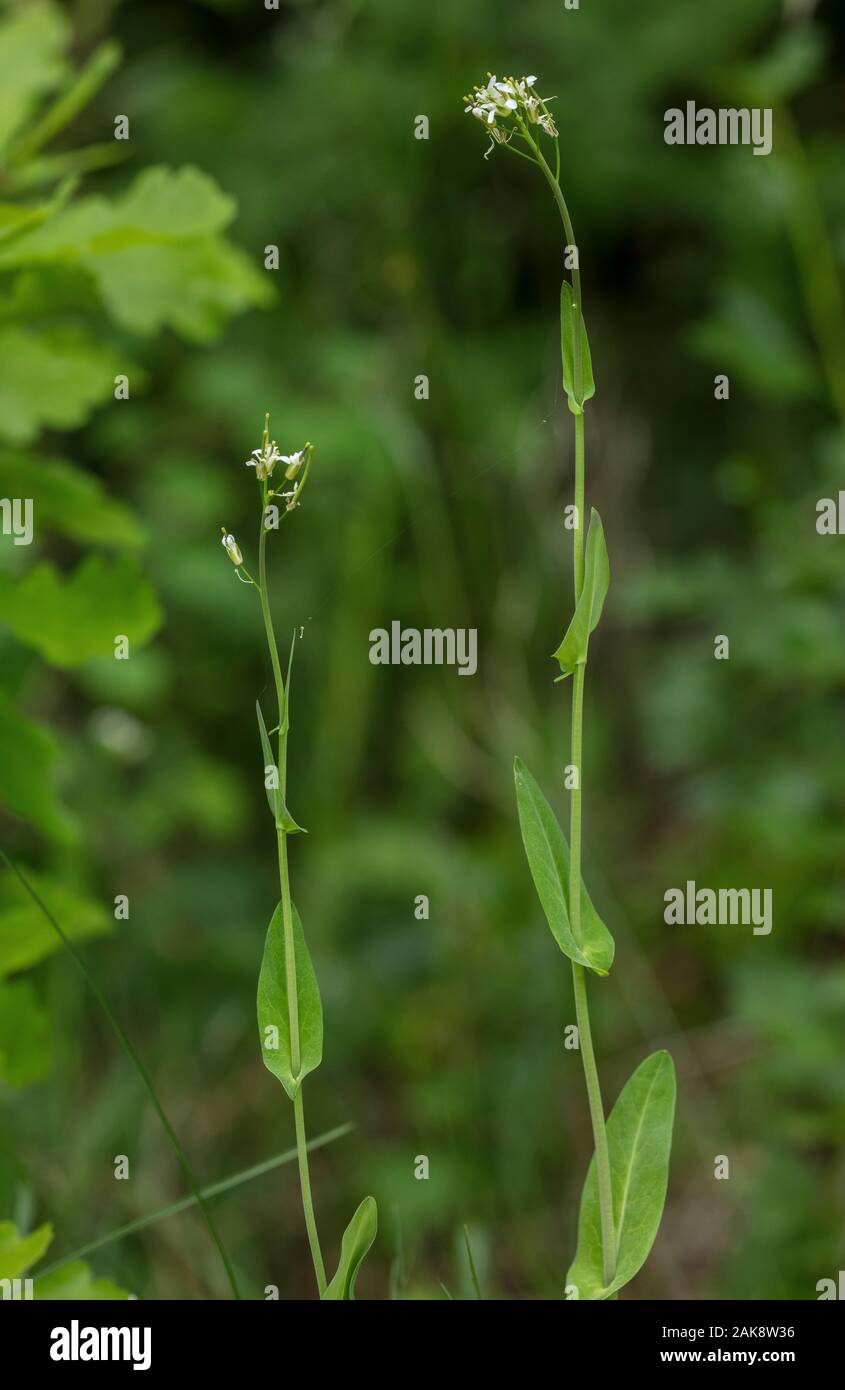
{"x": 231, "y": 548}
{"x": 264, "y": 460}
{"x": 293, "y": 463}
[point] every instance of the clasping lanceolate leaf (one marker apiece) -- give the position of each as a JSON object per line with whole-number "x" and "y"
{"x": 639, "y": 1137}
{"x": 572, "y": 651}
{"x": 278, "y": 810}
{"x": 548, "y": 860}
{"x": 273, "y": 1009}
{"x": 568, "y": 316}
{"x": 357, "y": 1239}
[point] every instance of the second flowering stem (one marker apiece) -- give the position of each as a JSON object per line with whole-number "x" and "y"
{"x": 287, "y": 911}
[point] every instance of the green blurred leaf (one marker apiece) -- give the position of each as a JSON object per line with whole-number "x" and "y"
{"x": 70, "y": 619}
{"x": 17, "y": 218}
{"x": 26, "y": 1052}
{"x": 156, "y": 254}
{"x": 18, "y": 1253}
{"x": 639, "y": 1137}
{"x": 548, "y": 859}
{"x": 32, "y": 40}
{"x": 52, "y": 378}
{"x": 76, "y": 1281}
{"x": 273, "y": 1005}
{"x": 26, "y": 937}
{"x": 357, "y": 1239}
{"x": 68, "y": 500}
{"x": 568, "y": 318}
{"x": 572, "y": 651}
{"x": 27, "y": 755}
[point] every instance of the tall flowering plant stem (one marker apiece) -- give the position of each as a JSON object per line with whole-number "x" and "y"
{"x": 625, "y": 1189}
{"x": 289, "y": 1009}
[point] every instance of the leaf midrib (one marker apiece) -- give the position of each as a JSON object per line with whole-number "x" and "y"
{"x": 633, "y": 1151}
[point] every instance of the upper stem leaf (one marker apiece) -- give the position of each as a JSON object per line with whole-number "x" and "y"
{"x": 275, "y": 800}
{"x": 572, "y": 651}
{"x": 639, "y": 1138}
{"x": 548, "y": 860}
{"x": 568, "y": 316}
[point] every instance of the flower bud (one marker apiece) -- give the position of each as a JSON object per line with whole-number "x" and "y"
{"x": 231, "y": 548}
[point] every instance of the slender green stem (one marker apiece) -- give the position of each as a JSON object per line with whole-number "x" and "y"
{"x": 579, "y": 985}
{"x": 139, "y": 1066}
{"x": 287, "y": 916}
{"x": 578, "y": 534}
{"x": 579, "y": 981}
{"x": 307, "y": 1202}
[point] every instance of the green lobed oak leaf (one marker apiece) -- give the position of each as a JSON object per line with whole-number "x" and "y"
{"x": 278, "y": 809}
{"x": 639, "y": 1138}
{"x": 572, "y": 651}
{"x": 71, "y": 618}
{"x": 55, "y": 378}
{"x": 273, "y": 1011}
{"x": 28, "y": 754}
{"x": 568, "y": 317}
{"x": 26, "y": 1050}
{"x": 357, "y": 1239}
{"x": 156, "y": 254}
{"x": 26, "y": 937}
{"x": 548, "y": 859}
{"x": 69, "y": 501}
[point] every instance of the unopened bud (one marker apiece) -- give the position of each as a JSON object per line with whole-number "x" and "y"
{"x": 231, "y": 547}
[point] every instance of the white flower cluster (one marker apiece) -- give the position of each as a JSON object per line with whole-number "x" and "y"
{"x": 264, "y": 460}
{"x": 500, "y": 98}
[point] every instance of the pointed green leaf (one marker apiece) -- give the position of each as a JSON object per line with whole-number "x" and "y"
{"x": 357, "y": 1239}
{"x": 572, "y": 651}
{"x": 568, "y": 317}
{"x": 639, "y": 1137}
{"x": 548, "y": 860}
{"x": 278, "y": 810}
{"x": 17, "y": 1252}
{"x": 273, "y": 1012}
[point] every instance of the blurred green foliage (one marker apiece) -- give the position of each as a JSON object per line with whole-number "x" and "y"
{"x": 399, "y": 257}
